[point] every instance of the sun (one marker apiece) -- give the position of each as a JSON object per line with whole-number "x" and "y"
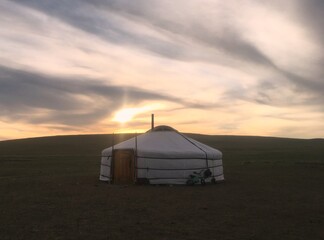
{"x": 125, "y": 115}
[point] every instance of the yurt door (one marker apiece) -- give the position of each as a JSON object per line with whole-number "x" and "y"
{"x": 123, "y": 166}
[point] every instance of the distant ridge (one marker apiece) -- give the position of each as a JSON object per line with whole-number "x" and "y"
{"x": 234, "y": 148}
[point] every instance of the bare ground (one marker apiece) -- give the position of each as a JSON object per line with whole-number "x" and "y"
{"x": 263, "y": 197}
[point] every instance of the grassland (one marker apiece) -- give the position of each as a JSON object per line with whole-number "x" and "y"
{"x": 49, "y": 189}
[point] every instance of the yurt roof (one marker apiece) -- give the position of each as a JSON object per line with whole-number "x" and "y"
{"x": 164, "y": 141}
{"x": 162, "y": 128}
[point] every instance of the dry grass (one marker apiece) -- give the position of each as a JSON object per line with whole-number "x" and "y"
{"x": 50, "y": 190}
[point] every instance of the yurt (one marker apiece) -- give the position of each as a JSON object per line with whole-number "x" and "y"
{"x": 160, "y": 156}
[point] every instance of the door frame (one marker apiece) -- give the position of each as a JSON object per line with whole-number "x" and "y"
{"x": 133, "y": 162}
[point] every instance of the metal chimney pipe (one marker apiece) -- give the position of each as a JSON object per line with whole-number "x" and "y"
{"x": 152, "y": 121}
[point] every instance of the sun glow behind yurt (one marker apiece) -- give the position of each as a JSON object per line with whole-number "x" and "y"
{"x": 159, "y": 156}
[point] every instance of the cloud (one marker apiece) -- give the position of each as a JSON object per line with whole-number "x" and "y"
{"x": 264, "y": 57}
{"x": 159, "y": 27}
{"x": 226, "y": 38}
{"x": 38, "y": 98}
{"x": 201, "y": 31}
{"x": 284, "y": 89}
{"x": 106, "y": 25}
{"x": 311, "y": 12}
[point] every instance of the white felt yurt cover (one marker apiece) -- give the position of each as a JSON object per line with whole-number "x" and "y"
{"x": 165, "y": 156}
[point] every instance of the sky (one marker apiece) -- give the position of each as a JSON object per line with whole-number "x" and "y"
{"x": 235, "y": 67}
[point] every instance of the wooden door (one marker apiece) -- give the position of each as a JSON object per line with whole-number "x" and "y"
{"x": 123, "y": 169}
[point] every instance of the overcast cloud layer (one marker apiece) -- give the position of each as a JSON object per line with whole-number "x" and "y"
{"x": 216, "y": 67}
